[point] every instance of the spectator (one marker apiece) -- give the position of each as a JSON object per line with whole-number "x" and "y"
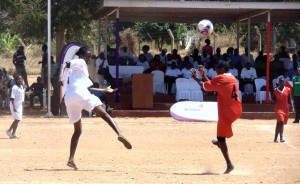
{"x": 296, "y": 95}
{"x": 186, "y": 61}
{"x": 175, "y": 56}
{"x": 19, "y": 62}
{"x": 143, "y": 62}
{"x": 171, "y": 75}
{"x": 186, "y": 71}
{"x": 44, "y": 63}
{"x": 248, "y": 75}
{"x": 229, "y": 51}
{"x": 37, "y": 90}
{"x": 101, "y": 63}
{"x": 54, "y": 76}
{"x": 163, "y": 56}
{"x": 226, "y": 58}
{"x": 195, "y": 56}
{"x": 236, "y": 58}
{"x": 156, "y": 64}
{"x": 149, "y": 56}
{"x": 283, "y": 53}
{"x": 205, "y": 58}
{"x": 207, "y": 48}
{"x": 212, "y": 72}
{"x": 246, "y": 59}
{"x": 4, "y": 81}
{"x": 103, "y": 70}
{"x": 260, "y": 64}
{"x": 125, "y": 55}
{"x": 294, "y": 70}
{"x": 233, "y": 70}
{"x": 276, "y": 67}
{"x": 218, "y": 56}
{"x": 295, "y": 59}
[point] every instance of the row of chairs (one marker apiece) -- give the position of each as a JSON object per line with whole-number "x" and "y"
{"x": 186, "y": 89}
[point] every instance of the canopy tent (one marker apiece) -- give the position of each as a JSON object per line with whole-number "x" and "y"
{"x": 193, "y": 11}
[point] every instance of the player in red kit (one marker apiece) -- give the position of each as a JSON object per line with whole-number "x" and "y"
{"x": 281, "y": 96}
{"x": 229, "y": 104}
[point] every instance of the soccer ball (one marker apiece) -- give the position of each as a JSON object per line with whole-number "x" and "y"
{"x": 205, "y": 27}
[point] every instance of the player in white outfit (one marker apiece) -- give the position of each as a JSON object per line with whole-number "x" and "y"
{"x": 78, "y": 97}
{"x": 16, "y": 107}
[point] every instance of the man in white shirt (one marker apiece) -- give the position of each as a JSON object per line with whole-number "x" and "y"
{"x": 248, "y": 75}
{"x": 171, "y": 75}
{"x": 148, "y": 55}
{"x": 186, "y": 71}
{"x": 211, "y": 73}
{"x": 233, "y": 70}
{"x": 125, "y": 56}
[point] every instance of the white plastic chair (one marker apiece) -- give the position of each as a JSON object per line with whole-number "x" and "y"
{"x": 182, "y": 89}
{"x": 159, "y": 81}
{"x": 260, "y": 95}
{"x": 196, "y": 93}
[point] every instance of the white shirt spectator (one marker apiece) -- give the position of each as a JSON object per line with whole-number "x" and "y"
{"x": 127, "y": 54}
{"x": 234, "y": 72}
{"x": 248, "y": 74}
{"x": 173, "y": 72}
{"x": 186, "y": 73}
{"x": 211, "y": 73}
{"x": 149, "y": 56}
{"x": 143, "y": 64}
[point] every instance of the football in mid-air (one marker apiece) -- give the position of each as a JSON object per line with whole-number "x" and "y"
{"x": 205, "y": 27}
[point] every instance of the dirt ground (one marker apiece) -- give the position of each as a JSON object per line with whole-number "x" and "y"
{"x": 164, "y": 151}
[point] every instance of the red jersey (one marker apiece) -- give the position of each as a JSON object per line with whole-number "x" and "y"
{"x": 282, "y": 103}
{"x": 229, "y": 104}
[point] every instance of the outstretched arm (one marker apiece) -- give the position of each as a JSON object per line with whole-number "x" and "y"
{"x": 107, "y": 90}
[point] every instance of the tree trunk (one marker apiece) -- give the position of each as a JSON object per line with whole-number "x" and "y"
{"x": 60, "y": 39}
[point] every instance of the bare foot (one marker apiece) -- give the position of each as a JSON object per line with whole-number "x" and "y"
{"x": 72, "y": 164}
{"x": 230, "y": 167}
{"x": 126, "y": 143}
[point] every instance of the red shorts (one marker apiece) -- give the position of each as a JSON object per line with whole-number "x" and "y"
{"x": 224, "y": 127}
{"x": 282, "y": 117}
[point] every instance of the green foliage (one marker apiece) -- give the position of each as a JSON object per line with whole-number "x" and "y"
{"x": 75, "y": 16}
{"x": 8, "y": 41}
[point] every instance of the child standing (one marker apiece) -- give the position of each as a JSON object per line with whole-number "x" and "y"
{"x": 16, "y": 107}
{"x": 281, "y": 96}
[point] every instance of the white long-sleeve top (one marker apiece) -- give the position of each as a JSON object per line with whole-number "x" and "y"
{"x": 248, "y": 74}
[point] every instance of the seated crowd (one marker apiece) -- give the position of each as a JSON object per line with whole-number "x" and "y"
{"x": 244, "y": 67}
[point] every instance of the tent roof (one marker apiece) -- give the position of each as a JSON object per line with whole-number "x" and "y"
{"x": 193, "y": 11}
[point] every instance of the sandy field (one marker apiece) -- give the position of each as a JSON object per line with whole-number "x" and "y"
{"x": 164, "y": 151}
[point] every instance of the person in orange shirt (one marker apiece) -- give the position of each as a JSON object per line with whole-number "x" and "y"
{"x": 281, "y": 96}
{"x": 229, "y": 104}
